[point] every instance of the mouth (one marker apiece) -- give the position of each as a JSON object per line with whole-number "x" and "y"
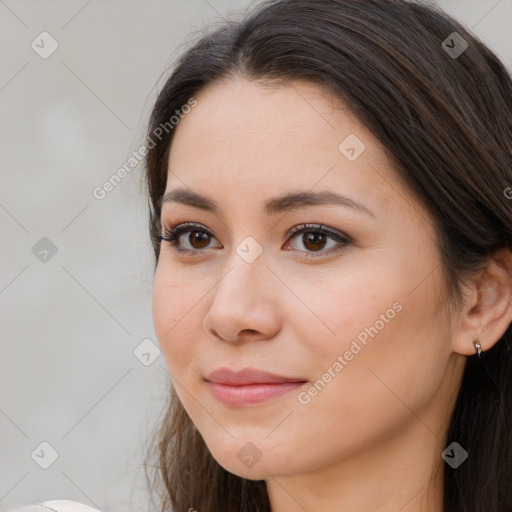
{"x": 249, "y": 386}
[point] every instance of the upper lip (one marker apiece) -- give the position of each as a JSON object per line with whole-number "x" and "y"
{"x": 247, "y": 376}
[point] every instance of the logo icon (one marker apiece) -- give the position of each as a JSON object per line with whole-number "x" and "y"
{"x": 352, "y": 147}
{"x": 44, "y": 45}
{"x": 147, "y": 352}
{"x": 454, "y": 455}
{"x": 454, "y": 45}
{"x": 44, "y": 250}
{"x": 249, "y": 249}
{"x": 44, "y": 455}
{"x": 249, "y": 455}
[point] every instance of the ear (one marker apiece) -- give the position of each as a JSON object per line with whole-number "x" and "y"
{"x": 487, "y": 313}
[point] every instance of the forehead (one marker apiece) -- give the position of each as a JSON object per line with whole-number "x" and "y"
{"x": 253, "y": 112}
{"x": 262, "y": 140}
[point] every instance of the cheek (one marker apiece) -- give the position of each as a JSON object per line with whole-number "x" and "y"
{"x": 370, "y": 341}
{"x": 379, "y": 388}
{"x": 174, "y": 319}
{"x": 346, "y": 307}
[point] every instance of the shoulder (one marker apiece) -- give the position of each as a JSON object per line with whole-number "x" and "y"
{"x": 56, "y": 506}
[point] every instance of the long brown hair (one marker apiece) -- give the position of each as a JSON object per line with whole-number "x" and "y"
{"x": 446, "y": 121}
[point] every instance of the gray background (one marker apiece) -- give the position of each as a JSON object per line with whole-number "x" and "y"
{"x": 70, "y": 323}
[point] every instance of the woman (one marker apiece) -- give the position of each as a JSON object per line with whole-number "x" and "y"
{"x": 332, "y": 232}
{"x": 330, "y": 193}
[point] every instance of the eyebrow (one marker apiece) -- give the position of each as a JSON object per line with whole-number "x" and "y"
{"x": 274, "y": 206}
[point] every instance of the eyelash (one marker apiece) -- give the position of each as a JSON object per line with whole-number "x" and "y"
{"x": 172, "y": 235}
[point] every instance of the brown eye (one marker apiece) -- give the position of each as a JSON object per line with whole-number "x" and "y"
{"x": 314, "y": 241}
{"x": 188, "y": 237}
{"x": 199, "y": 239}
{"x": 315, "y": 238}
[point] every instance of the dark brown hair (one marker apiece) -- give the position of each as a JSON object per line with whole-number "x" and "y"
{"x": 446, "y": 122}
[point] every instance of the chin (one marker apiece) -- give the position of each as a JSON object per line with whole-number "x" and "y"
{"x": 251, "y": 460}
{"x": 260, "y": 470}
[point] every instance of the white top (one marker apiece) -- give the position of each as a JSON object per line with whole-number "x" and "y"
{"x": 56, "y": 506}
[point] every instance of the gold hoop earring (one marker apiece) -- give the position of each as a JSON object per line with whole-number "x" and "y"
{"x": 478, "y": 346}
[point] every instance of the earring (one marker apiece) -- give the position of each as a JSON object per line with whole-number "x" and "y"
{"x": 478, "y": 346}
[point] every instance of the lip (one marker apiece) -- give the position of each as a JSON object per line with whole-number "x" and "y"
{"x": 249, "y": 386}
{"x": 248, "y": 376}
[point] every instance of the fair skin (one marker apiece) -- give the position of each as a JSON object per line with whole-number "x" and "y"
{"x": 371, "y": 438}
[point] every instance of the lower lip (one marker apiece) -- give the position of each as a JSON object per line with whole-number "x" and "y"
{"x": 250, "y": 394}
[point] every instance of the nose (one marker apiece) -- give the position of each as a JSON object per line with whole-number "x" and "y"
{"x": 245, "y": 303}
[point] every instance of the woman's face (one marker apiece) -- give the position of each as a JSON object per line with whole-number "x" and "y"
{"x": 355, "y": 316}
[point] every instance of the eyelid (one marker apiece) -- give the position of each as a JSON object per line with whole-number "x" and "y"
{"x": 303, "y": 228}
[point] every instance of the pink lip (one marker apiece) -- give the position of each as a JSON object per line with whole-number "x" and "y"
{"x": 250, "y": 394}
{"x": 249, "y": 386}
